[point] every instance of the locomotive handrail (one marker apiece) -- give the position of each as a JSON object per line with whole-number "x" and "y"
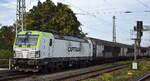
{"x": 4, "y": 59}
{"x": 2, "y": 65}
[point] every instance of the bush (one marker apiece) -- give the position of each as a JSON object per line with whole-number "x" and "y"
{"x": 106, "y": 77}
{"x": 122, "y": 75}
{"x": 5, "y": 54}
{"x": 123, "y": 62}
{"x": 144, "y": 66}
{"x": 89, "y": 80}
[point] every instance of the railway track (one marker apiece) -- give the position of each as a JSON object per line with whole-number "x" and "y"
{"x": 71, "y": 75}
{"x": 144, "y": 77}
{"x": 92, "y": 73}
{"x": 95, "y": 73}
{"x": 10, "y": 75}
{"x": 74, "y": 75}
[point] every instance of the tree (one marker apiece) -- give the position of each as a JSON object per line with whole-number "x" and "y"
{"x": 49, "y": 16}
{"x": 7, "y": 36}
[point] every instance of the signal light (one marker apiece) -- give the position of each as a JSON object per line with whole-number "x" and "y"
{"x": 139, "y": 28}
{"x": 139, "y": 25}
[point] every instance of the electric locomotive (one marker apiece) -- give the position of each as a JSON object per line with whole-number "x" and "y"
{"x": 35, "y": 50}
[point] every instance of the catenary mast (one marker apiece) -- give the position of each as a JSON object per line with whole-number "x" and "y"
{"x": 20, "y": 15}
{"x": 114, "y": 29}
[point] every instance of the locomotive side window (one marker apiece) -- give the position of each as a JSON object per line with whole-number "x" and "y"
{"x": 50, "y": 42}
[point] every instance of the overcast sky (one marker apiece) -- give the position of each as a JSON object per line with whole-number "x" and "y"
{"x": 96, "y": 16}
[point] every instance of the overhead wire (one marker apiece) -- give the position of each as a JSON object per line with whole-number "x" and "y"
{"x": 91, "y": 14}
{"x": 87, "y": 13}
{"x": 4, "y": 1}
{"x": 91, "y": 28}
{"x": 94, "y": 15}
{"x": 123, "y": 22}
{"x": 142, "y": 3}
{"x": 108, "y": 2}
{"x": 120, "y": 36}
{"x": 7, "y": 2}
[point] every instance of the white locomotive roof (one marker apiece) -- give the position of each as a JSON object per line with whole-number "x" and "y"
{"x": 58, "y": 35}
{"x": 67, "y": 37}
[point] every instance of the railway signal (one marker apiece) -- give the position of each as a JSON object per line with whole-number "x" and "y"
{"x": 139, "y": 29}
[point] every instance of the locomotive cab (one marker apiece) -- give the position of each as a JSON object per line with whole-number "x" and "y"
{"x": 26, "y": 46}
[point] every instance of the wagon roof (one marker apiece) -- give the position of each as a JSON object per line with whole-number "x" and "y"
{"x": 108, "y": 43}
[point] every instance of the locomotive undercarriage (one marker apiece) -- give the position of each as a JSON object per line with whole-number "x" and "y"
{"x": 48, "y": 64}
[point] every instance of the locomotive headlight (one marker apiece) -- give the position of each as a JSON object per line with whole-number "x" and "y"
{"x": 37, "y": 54}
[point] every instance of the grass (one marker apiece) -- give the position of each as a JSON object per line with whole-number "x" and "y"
{"x": 103, "y": 66}
{"x": 123, "y": 74}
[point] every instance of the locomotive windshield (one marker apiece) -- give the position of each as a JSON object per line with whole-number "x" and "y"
{"x": 26, "y": 39}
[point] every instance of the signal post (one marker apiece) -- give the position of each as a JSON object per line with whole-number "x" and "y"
{"x": 139, "y": 30}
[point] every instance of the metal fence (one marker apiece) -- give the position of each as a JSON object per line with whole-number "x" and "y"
{"x": 4, "y": 63}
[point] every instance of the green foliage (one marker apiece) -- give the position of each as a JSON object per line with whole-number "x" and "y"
{"x": 118, "y": 75}
{"x": 48, "y": 16}
{"x": 144, "y": 66}
{"x": 123, "y": 62}
{"x": 89, "y": 80}
{"x": 7, "y": 36}
{"x": 107, "y": 77}
{"x": 123, "y": 74}
{"x": 5, "y": 54}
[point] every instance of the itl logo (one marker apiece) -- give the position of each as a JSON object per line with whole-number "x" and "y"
{"x": 75, "y": 49}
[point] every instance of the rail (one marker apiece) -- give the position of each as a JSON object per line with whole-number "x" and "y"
{"x": 144, "y": 77}
{"x": 77, "y": 74}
